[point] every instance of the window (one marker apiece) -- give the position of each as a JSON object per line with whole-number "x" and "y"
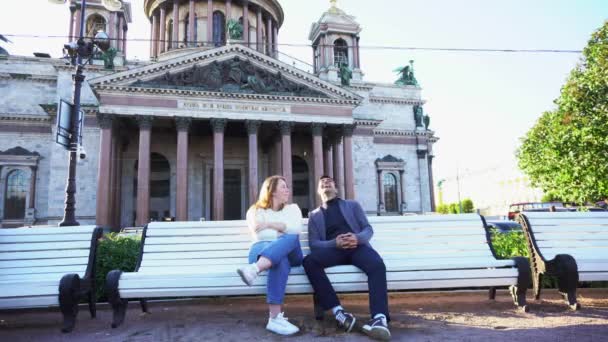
{"x": 390, "y": 192}
{"x": 219, "y": 28}
{"x": 340, "y": 52}
{"x": 186, "y": 27}
{"x": 95, "y": 23}
{"x": 16, "y": 192}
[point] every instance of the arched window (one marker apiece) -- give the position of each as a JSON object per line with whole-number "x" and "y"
{"x": 16, "y": 192}
{"x": 169, "y": 38}
{"x": 95, "y": 23}
{"x": 390, "y": 192}
{"x": 340, "y": 52}
{"x": 160, "y": 187}
{"x": 219, "y": 28}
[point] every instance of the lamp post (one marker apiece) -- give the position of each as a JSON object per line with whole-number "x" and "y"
{"x": 76, "y": 51}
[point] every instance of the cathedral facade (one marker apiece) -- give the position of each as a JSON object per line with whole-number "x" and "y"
{"x": 191, "y": 134}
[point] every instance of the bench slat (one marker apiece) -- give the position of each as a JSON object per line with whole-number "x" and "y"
{"x": 593, "y": 276}
{"x": 80, "y": 269}
{"x": 41, "y": 262}
{"x": 45, "y": 238}
{"x": 45, "y": 255}
{"x": 31, "y": 277}
{"x": 573, "y": 229}
{"x": 47, "y": 231}
{"x": 50, "y": 246}
{"x": 572, "y": 235}
{"x": 572, "y": 244}
{"x": 29, "y": 302}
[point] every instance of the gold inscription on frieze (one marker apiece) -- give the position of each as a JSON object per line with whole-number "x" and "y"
{"x": 205, "y": 106}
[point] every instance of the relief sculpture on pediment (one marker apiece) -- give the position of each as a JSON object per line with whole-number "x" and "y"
{"x": 232, "y": 76}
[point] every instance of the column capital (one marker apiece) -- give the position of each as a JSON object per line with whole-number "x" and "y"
{"x": 421, "y": 154}
{"x": 218, "y": 125}
{"x": 253, "y": 126}
{"x": 183, "y": 123}
{"x": 337, "y": 135}
{"x": 33, "y": 168}
{"x": 104, "y": 121}
{"x": 285, "y": 127}
{"x": 348, "y": 130}
{"x": 144, "y": 121}
{"x": 317, "y": 128}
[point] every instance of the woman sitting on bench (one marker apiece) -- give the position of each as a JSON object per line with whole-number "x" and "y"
{"x": 275, "y": 226}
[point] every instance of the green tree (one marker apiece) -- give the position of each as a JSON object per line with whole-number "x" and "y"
{"x": 566, "y": 152}
{"x": 467, "y": 205}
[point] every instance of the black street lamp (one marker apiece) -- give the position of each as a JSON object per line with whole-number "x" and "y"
{"x": 76, "y": 52}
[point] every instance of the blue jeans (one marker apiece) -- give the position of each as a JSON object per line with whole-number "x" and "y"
{"x": 284, "y": 253}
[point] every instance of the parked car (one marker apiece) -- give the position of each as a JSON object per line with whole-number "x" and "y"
{"x": 516, "y": 208}
{"x": 504, "y": 226}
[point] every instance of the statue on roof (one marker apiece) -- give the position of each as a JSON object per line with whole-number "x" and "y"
{"x": 406, "y": 75}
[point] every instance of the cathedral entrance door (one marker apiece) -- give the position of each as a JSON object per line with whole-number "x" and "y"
{"x": 234, "y": 192}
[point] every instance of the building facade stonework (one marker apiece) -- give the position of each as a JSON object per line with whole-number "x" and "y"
{"x": 191, "y": 134}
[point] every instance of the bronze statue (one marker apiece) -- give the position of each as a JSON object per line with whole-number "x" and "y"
{"x": 406, "y": 75}
{"x": 418, "y": 115}
{"x": 345, "y": 74}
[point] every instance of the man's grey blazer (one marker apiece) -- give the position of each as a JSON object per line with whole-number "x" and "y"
{"x": 354, "y": 216}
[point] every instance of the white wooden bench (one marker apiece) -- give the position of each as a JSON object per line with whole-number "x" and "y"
{"x": 572, "y": 246}
{"x": 189, "y": 259}
{"x": 42, "y": 267}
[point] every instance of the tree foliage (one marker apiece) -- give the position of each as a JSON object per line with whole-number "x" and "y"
{"x": 566, "y": 152}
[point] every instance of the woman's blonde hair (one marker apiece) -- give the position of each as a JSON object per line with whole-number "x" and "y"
{"x": 268, "y": 188}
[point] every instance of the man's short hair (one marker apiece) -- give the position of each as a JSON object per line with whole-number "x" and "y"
{"x": 325, "y": 177}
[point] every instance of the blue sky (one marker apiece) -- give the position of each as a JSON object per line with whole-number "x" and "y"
{"x": 480, "y": 103}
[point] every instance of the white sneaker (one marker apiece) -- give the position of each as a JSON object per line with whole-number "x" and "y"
{"x": 248, "y": 273}
{"x": 280, "y": 325}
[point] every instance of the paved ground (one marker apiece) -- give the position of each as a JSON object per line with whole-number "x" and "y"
{"x": 422, "y": 316}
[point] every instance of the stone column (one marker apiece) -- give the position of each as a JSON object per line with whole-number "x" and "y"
{"x": 175, "y": 24}
{"x": 259, "y": 39}
{"x": 403, "y": 199}
{"x": 356, "y": 52}
{"x": 191, "y": 25}
{"x": 339, "y": 163}
{"x": 210, "y": 22}
{"x": 119, "y": 32}
{"x": 163, "y": 30}
{"x": 155, "y": 35}
{"x": 124, "y": 44}
{"x": 329, "y": 160}
{"x": 116, "y": 191}
{"x": 252, "y": 131}
{"x": 285, "y": 128}
{"x": 218, "y": 126}
{"x": 77, "y": 23}
{"x": 275, "y": 40}
{"x": 317, "y": 153}
{"x": 32, "y": 200}
{"x": 381, "y": 207}
{"x": 181, "y": 198}
{"x": 246, "y": 22}
{"x": 111, "y": 207}
{"x": 322, "y": 52}
{"x": 269, "y": 36}
{"x": 112, "y": 30}
{"x": 102, "y": 216}
{"x": 431, "y": 182}
{"x": 349, "y": 170}
{"x": 71, "y": 34}
{"x": 228, "y": 10}
{"x": 278, "y": 156}
{"x": 143, "y": 171}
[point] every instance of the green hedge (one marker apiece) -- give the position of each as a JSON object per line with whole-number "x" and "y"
{"x": 115, "y": 252}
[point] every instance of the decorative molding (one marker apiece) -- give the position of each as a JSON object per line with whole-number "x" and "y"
{"x": 395, "y": 100}
{"x": 218, "y": 125}
{"x": 104, "y": 121}
{"x": 317, "y": 128}
{"x": 253, "y": 126}
{"x": 183, "y": 123}
{"x": 18, "y": 151}
{"x": 389, "y": 159}
{"x": 285, "y": 127}
{"x": 348, "y": 130}
{"x": 144, "y": 121}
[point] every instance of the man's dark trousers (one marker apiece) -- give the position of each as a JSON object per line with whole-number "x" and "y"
{"x": 365, "y": 258}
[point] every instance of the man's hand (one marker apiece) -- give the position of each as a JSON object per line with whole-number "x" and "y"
{"x": 346, "y": 241}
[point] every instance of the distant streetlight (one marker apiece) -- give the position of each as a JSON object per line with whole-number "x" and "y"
{"x": 76, "y": 52}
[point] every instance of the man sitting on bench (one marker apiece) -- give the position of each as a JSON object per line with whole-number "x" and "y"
{"x": 339, "y": 234}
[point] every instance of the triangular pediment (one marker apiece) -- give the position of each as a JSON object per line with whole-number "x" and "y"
{"x": 228, "y": 71}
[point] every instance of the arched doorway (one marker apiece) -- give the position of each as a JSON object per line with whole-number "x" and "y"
{"x": 15, "y": 195}
{"x": 301, "y": 184}
{"x": 95, "y": 23}
{"x": 160, "y": 188}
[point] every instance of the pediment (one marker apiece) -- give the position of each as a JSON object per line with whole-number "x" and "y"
{"x": 227, "y": 71}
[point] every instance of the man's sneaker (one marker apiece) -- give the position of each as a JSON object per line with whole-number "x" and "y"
{"x": 280, "y": 325}
{"x": 377, "y": 328}
{"x": 345, "y": 320}
{"x": 248, "y": 274}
